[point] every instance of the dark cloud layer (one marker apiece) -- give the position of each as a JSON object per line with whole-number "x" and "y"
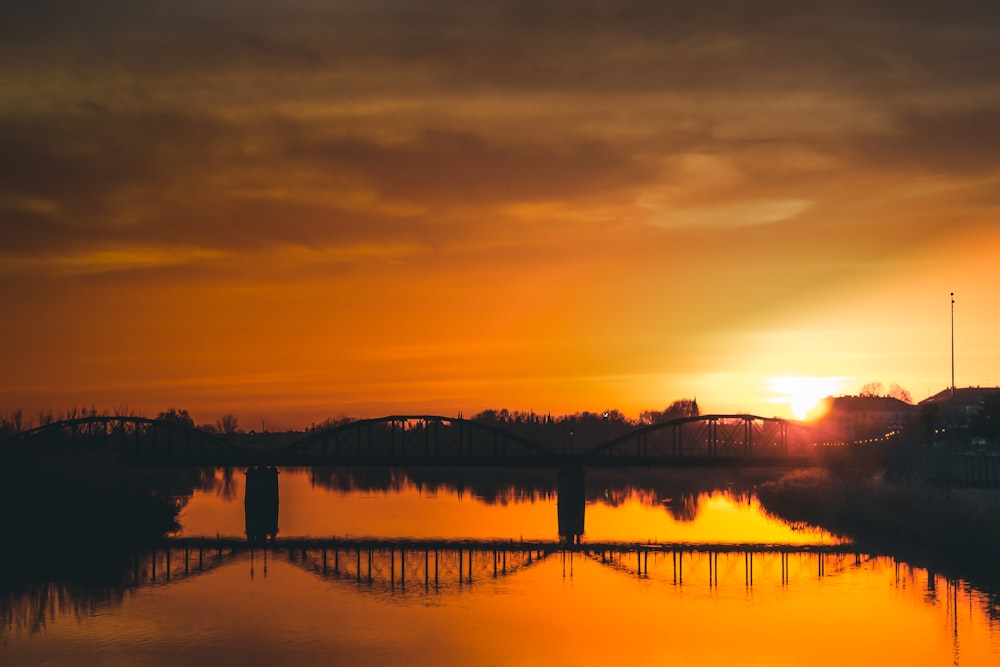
{"x": 609, "y": 46}
{"x": 243, "y": 126}
{"x": 955, "y": 141}
{"x": 483, "y": 186}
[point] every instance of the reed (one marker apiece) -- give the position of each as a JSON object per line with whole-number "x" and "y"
{"x": 950, "y": 530}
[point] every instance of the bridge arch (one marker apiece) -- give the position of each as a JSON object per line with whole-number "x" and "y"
{"x": 134, "y": 438}
{"x": 424, "y": 568}
{"x": 414, "y": 440}
{"x": 708, "y": 438}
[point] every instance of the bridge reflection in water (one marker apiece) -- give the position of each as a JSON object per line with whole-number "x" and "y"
{"x": 449, "y": 566}
{"x": 261, "y": 502}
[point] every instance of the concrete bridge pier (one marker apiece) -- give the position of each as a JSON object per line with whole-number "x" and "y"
{"x": 571, "y": 504}
{"x": 260, "y": 503}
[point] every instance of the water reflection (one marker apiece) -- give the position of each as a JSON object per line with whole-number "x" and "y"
{"x": 418, "y": 572}
{"x": 571, "y": 504}
{"x": 378, "y": 550}
{"x": 575, "y": 505}
{"x": 260, "y": 504}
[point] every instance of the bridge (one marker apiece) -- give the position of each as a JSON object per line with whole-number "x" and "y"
{"x": 449, "y": 566}
{"x": 428, "y": 440}
{"x": 133, "y": 439}
{"x": 422, "y": 569}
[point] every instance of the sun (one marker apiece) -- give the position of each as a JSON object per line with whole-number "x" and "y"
{"x": 802, "y": 393}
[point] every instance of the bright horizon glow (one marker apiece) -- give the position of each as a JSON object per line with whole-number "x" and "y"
{"x": 803, "y": 393}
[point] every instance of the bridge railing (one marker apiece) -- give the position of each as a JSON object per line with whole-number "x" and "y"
{"x": 401, "y": 440}
{"x": 718, "y": 437}
{"x": 137, "y": 439}
{"x": 414, "y": 439}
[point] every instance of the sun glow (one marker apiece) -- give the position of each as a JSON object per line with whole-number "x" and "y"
{"x": 802, "y": 393}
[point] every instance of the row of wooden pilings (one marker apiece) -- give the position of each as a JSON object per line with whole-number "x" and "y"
{"x": 641, "y": 568}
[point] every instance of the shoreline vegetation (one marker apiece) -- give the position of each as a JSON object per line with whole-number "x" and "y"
{"x": 72, "y": 503}
{"x": 952, "y": 531}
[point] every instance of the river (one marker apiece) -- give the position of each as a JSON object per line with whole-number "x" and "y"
{"x": 396, "y": 569}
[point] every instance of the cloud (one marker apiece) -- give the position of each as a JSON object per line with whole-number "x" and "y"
{"x": 107, "y": 260}
{"x": 956, "y": 141}
{"x": 462, "y": 167}
{"x": 739, "y": 214}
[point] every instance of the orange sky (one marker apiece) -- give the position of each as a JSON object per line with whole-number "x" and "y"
{"x": 288, "y": 210}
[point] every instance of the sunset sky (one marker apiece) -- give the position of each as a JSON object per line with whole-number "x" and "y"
{"x": 288, "y": 210}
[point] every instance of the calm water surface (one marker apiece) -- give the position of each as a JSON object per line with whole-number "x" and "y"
{"x": 417, "y": 576}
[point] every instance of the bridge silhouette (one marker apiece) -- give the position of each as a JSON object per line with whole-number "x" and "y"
{"x": 420, "y": 440}
{"x": 407, "y": 569}
{"x": 390, "y": 566}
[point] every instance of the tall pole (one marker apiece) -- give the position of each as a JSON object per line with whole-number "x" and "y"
{"x": 952, "y": 433}
{"x": 953, "y": 344}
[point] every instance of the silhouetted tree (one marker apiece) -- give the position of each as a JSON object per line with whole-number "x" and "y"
{"x": 685, "y": 407}
{"x": 227, "y": 424}
{"x": 176, "y": 416}
{"x": 897, "y": 392}
{"x": 871, "y": 389}
{"x": 331, "y": 422}
{"x": 12, "y": 423}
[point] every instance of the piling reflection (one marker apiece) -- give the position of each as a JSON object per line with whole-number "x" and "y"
{"x": 571, "y": 504}
{"x": 260, "y": 504}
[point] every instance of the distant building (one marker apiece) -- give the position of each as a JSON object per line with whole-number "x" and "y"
{"x": 972, "y": 412}
{"x": 853, "y": 418}
{"x": 968, "y": 403}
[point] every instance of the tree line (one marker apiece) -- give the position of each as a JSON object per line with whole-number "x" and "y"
{"x": 575, "y": 430}
{"x": 16, "y": 421}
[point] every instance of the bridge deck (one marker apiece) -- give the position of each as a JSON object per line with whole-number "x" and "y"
{"x": 546, "y": 546}
{"x": 422, "y": 440}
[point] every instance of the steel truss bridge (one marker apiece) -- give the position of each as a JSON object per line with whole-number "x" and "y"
{"x": 420, "y": 440}
{"x": 442, "y": 567}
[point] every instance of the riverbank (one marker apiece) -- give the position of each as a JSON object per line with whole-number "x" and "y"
{"x": 953, "y": 531}
{"x": 82, "y": 504}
